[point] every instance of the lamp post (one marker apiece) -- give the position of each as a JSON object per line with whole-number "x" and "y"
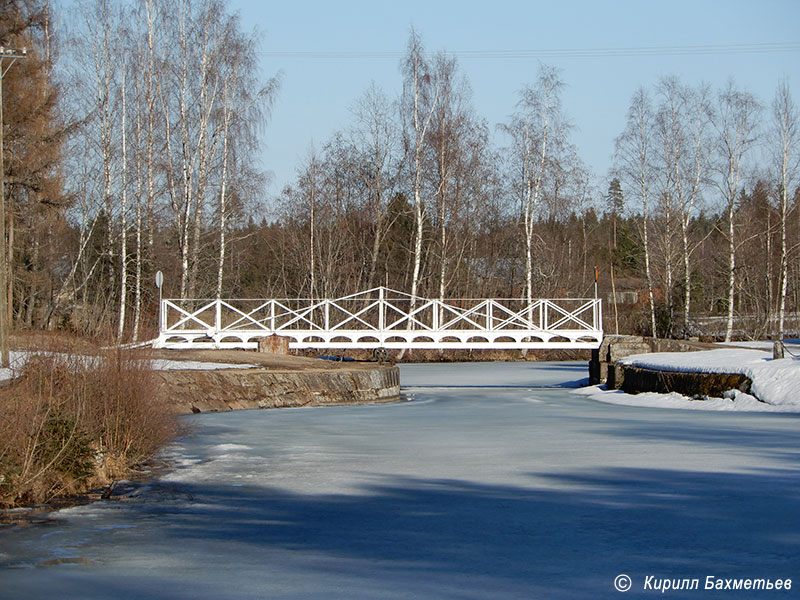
{"x": 13, "y": 54}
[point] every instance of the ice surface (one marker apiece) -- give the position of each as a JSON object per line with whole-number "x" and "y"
{"x": 495, "y": 375}
{"x": 494, "y": 481}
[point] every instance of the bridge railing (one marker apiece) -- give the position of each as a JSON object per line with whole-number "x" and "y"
{"x": 383, "y": 318}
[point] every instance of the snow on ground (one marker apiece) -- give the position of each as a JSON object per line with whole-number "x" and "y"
{"x": 17, "y": 361}
{"x": 739, "y": 402}
{"x": 191, "y": 365}
{"x": 776, "y": 382}
{"x": 791, "y": 345}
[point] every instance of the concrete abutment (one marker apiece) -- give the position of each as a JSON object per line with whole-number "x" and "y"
{"x": 605, "y": 367}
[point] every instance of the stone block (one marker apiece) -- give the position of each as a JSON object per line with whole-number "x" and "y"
{"x": 274, "y": 344}
{"x": 616, "y": 376}
{"x": 623, "y": 349}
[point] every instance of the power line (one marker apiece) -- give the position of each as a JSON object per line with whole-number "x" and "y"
{"x": 682, "y": 50}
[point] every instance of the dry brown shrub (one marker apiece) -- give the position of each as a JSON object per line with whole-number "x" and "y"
{"x": 70, "y": 421}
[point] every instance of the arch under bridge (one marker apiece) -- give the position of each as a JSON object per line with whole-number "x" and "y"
{"x": 383, "y": 318}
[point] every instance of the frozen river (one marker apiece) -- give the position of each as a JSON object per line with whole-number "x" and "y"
{"x": 494, "y": 481}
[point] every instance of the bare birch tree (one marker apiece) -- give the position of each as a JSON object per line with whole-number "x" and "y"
{"x": 736, "y": 125}
{"x": 684, "y": 123}
{"x": 670, "y": 141}
{"x": 536, "y": 129}
{"x": 222, "y": 208}
{"x": 308, "y": 186}
{"x": 139, "y": 210}
{"x": 421, "y": 96}
{"x": 104, "y": 55}
{"x": 451, "y": 128}
{"x": 123, "y": 241}
{"x": 691, "y": 152}
{"x": 785, "y": 148}
{"x": 634, "y": 161}
{"x": 375, "y": 138}
{"x": 244, "y": 108}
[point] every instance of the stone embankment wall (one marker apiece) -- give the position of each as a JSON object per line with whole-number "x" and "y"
{"x": 637, "y": 380}
{"x": 194, "y": 391}
{"x": 604, "y": 368}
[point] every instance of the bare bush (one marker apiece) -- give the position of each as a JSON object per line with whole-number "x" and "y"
{"x": 71, "y": 421}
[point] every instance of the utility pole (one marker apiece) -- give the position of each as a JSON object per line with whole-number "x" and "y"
{"x": 13, "y": 54}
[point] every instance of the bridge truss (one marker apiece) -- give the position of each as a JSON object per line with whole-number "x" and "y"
{"x": 383, "y": 318}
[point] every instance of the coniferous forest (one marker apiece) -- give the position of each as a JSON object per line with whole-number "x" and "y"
{"x": 132, "y": 131}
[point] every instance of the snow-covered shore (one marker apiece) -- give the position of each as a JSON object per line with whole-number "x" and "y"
{"x": 17, "y": 361}
{"x": 776, "y": 382}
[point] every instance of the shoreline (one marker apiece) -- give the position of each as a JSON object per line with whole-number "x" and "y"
{"x": 138, "y": 479}
{"x": 271, "y": 381}
{"x": 258, "y": 381}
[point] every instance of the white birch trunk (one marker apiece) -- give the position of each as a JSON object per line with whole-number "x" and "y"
{"x": 103, "y": 74}
{"x": 737, "y": 127}
{"x": 788, "y": 141}
{"x": 687, "y": 274}
{"x": 643, "y": 187}
{"x": 185, "y": 209}
{"x": 140, "y": 184}
{"x": 647, "y": 269}
{"x": 537, "y": 186}
{"x": 137, "y": 285}
{"x": 418, "y": 208}
{"x": 150, "y": 100}
{"x": 123, "y": 249}
{"x": 420, "y": 131}
{"x": 731, "y": 274}
{"x": 444, "y": 176}
{"x": 205, "y": 148}
{"x": 312, "y": 246}
{"x": 702, "y": 155}
{"x": 227, "y": 108}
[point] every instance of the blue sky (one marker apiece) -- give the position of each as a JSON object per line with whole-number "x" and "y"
{"x": 317, "y": 93}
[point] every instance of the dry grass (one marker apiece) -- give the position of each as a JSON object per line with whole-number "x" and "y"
{"x": 72, "y": 421}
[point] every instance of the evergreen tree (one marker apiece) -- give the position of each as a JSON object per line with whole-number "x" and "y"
{"x": 615, "y": 203}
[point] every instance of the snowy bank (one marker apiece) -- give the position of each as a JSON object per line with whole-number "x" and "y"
{"x": 17, "y": 361}
{"x": 193, "y": 386}
{"x": 775, "y": 388}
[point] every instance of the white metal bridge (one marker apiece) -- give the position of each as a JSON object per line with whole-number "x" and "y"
{"x": 383, "y": 318}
